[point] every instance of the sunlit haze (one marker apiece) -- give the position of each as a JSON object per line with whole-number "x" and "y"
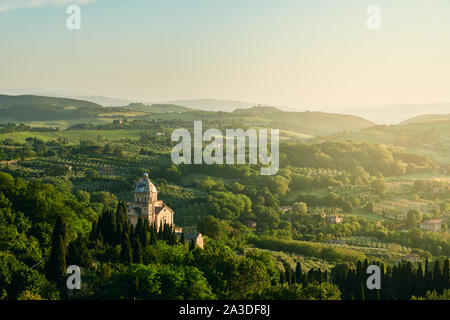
{"x": 316, "y": 55}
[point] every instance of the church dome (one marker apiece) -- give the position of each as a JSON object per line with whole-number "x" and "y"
{"x": 145, "y": 185}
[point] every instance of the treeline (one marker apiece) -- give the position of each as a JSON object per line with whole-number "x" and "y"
{"x": 46, "y": 112}
{"x": 432, "y": 189}
{"x": 331, "y": 200}
{"x": 91, "y": 148}
{"x": 374, "y": 158}
{"x": 155, "y": 125}
{"x": 113, "y": 229}
{"x": 308, "y": 249}
{"x": 398, "y": 282}
{"x": 12, "y": 127}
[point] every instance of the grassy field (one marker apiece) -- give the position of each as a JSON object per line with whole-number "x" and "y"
{"x": 420, "y": 176}
{"x": 74, "y": 136}
{"x": 361, "y": 213}
{"x": 292, "y": 196}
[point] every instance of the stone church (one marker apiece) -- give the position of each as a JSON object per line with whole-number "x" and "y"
{"x": 147, "y": 206}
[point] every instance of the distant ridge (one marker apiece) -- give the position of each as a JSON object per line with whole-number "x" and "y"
{"x": 158, "y": 108}
{"x": 314, "y": 123}
{"x": 39, "y": 108}
{"x": 101, "y": 100}
{"x": 427, "y": 118}
{"x": 212, "y": 104}
{"x": 7, "y": 100}
{"x": 104, "y": 101}
{"x": 395, "y": 114}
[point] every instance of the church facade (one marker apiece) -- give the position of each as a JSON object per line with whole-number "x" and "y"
{"x": 147, "y": 206}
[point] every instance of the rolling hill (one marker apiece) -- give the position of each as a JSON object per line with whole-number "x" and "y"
{"x": 395, "y": 114}
{"x": 311, "y": 123}
{"x": 212, "y": 104}
{"x": 39, "y": 108}
{"x": 426, "y": 138}
{"x": 23, "y": 100}
{"x": 158, "y": 108}
{"x": 29, "y": 108}
{"x": 101, "y": 100}
{"x": 427, "y": 118}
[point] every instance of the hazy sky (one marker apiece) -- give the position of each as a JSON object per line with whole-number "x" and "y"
{"x": 303, "y": 54}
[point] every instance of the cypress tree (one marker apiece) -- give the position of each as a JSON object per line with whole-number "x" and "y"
{"x": 420, "y": 287}
{"x": 282, "y": 277}
{"x": 191, "y": 245}
{"x": 78, "y": 253}
{"x": 446, "y": 274}
{"x": 56, "y": 266}
{"x": 153, "y": 234}
{"x": 160, "y": 232}
{"x": 94, "y": 231}
{"x": 109, "y": 228}
{"x": 428, "y": 275}
{"x": 287, "y": 275}
{"x": 135, "y": 288}
{"x": 139, "y": 230}
{"x": 298, "y": 273}
{"x": 437, "y": 275}
{"x": 137, "y": 251}
{"x": 132, "y": 234}
{"x": 166, "y": 232}
{"x": 126, "y": 255}
{"x": 145, "y": 240}
{"x": 319, "y": 276}
{"x": 359, "y": 271}
{"x": 365, "y": 266}
{"x": 172, "y": 235}
{"x": 363, "y": 292}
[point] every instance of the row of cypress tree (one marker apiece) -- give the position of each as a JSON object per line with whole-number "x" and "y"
{"x": 111, "y": 229}
{"x": 398, "y": 282}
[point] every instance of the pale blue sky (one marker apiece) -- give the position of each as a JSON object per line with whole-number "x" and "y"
{"x": 302, "y": 54}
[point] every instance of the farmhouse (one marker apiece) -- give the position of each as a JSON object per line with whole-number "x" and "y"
{"x": 432, "y": 225}
{"x": 196, "y": 237}
{"x": 335, "y": 218}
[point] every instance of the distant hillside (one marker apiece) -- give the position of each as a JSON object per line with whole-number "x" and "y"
{"x": 212, "y": 104}
{"x": 7, "y": 100}
{"x": 429, "y": 138}
{"x": 105, "y": 101}
{"x": 311, "y": 123}
{"x": 158, "y": 108}
{"x": 427, "y": 118}
{"x": 39, "y": 108}
{"x": 258, "y": 111}
{"x": 101, "y": 100}
{"x": 395, "y": 114}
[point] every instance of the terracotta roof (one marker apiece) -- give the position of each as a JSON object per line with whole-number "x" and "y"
{"x": 433, "y": 221}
